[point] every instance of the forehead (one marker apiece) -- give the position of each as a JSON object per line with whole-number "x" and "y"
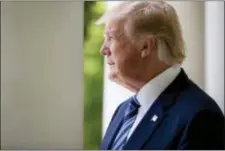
{"x": 114, "y": 27}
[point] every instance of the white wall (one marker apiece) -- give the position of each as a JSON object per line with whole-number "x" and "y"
{"x": 42, "y": 75}
{"x": 214, "y": 56}
{"x": 191, "y": 15}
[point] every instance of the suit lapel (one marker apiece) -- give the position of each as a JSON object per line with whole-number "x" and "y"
{"x": 156, "y": 114}
{"x": 146, "y": 128}
{"x": 113, "y": 128}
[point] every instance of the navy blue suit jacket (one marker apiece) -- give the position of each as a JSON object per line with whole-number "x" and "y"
{"x": 187, "y": 119}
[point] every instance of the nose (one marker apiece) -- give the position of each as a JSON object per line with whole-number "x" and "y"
{"x": 105, "y": 51}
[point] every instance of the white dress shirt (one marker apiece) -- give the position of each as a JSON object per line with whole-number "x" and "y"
{"x": 151, "y": 91}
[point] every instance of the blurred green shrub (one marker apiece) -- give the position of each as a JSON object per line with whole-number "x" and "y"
{"x": 93, "y": 74}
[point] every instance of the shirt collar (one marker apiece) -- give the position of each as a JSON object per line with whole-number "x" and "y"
{"x": 152, "y": 89}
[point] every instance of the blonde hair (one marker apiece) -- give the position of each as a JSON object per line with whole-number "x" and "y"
{"x": 155, "y": 19}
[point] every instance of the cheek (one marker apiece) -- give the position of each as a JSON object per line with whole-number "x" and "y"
{"x": 128, "y": 59}
{"x": 124, "y": 56}
{"x": 116, "y": 52}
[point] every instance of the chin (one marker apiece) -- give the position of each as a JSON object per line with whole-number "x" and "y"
{"x": 112, "y": 76}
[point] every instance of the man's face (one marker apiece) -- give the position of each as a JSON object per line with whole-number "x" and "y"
{"x": 120, "y": 54}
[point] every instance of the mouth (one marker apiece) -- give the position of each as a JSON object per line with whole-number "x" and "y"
{"x": 111, "y": 63}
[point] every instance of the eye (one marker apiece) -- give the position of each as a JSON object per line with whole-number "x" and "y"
{"x": 110, "y": 38}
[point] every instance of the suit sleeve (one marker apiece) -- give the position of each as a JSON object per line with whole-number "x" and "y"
{"x": 205, "y": 132}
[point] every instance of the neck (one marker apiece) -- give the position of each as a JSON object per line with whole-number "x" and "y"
{"x": 136, "y": 83}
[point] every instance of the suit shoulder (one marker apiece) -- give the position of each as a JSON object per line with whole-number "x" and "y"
{"x": 194, "y": 100}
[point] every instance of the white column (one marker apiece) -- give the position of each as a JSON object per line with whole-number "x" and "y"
{"x": 191, "y": 15}
{"x": 42, "y": 75}
{"x": 214, "y": 46}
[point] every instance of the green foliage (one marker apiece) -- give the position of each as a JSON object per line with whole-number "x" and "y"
{"x": 93, "y": 74}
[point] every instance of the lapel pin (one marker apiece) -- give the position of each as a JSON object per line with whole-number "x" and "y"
{"x": 154, "y": 118}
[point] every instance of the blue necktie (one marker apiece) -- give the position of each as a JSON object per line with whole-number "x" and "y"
{"x": 129, "y": 118}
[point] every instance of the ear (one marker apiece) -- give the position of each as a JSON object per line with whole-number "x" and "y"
{"x": 147, "y": 47}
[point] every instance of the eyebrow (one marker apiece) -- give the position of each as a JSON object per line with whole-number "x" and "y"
{"x": 110, "y": 32}
{"x": 113, "y": 33}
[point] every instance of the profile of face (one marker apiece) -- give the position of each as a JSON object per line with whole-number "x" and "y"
{"x": 141, "y": 41}
{"x": 122, "y": 57}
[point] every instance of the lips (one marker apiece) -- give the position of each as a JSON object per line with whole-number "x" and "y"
{"x": 111, "y": 63}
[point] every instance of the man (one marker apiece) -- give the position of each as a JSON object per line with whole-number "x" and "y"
{"x": 144, "y": 49}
